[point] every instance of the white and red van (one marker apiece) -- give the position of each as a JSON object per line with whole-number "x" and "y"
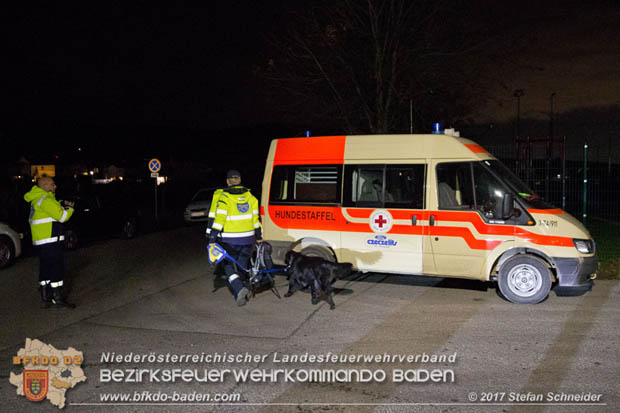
{"x": 431, "y": 204}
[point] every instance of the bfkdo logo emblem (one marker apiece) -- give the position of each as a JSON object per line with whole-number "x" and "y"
{"x": 36, "y": 384}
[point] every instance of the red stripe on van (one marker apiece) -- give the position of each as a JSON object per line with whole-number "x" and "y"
{"x": 331, "y": 219}
{"x": 470, "y": 216}
{"x": 556, "y": 211}
{"x": 313, "y": 218}
{"x": 475, "y": 148}
{"x": 486, "y": 229}
{"x": 465, "y": 233}
{"x": 360, "y": 213}
{"x": 453, "y": 216}
{"x": 549, "y": 240}
{"x": 310, "y": 151}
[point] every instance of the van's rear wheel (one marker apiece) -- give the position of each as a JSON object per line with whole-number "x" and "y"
{"x": 318, "y": 251}
{"x": 524, "y": 279}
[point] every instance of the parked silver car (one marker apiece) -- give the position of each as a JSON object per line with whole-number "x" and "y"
{"x": 10, "y": 245}
{"x": 198, "y": 208}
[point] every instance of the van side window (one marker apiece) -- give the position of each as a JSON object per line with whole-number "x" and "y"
{"x": 454, "y": 186}
{"x": 384, "y": 186}
{"x": 294, "y": 184}
{"x": 368, "y": 185}
{"x": 405, "y": 186}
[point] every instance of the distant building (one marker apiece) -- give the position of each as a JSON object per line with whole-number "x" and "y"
{"x": 37, "y": 171}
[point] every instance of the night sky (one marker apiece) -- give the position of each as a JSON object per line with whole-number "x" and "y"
{"x": 573, "y": 49}
{"x": 130, "y": 70}
{"x": 134, "y": 72}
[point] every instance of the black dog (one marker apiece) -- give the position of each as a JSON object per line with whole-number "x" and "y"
{"x": 316, "y": 273}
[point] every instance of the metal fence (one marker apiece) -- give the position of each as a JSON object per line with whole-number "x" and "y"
{"x": 579, "y": 177}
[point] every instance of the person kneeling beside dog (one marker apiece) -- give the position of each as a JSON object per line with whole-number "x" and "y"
{"x": 236, "y": 222}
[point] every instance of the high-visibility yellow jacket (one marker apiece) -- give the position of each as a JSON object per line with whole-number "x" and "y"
{"x": 212, "y": 209}
{"x": 46, "y": 216}
{"x": 236, "y": 217}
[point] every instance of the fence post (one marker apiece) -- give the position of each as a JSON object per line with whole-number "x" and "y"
{"x": 585, "y": 180}
{"x": 564, "y": 173}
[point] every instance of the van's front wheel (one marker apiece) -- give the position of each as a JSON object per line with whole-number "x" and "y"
{"x": 524, "y": 280}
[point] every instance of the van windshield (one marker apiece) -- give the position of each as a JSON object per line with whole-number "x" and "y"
{"x": 517, "y": 185}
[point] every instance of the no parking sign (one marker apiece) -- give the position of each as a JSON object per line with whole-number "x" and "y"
{"x": 154, "y": 165}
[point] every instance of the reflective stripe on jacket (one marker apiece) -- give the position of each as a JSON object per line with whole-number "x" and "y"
{"x": 46, "y": 216}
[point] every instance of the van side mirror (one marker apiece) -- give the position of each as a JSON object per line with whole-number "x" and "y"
{"x": 508, "y": 210}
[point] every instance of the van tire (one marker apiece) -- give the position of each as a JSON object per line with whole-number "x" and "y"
{"x": 7, "y": 251}
{"x": 318, "y": 251}
{"x": 524, "y": 279}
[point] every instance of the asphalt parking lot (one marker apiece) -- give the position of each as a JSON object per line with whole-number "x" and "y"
{"x": 157, "y": 295}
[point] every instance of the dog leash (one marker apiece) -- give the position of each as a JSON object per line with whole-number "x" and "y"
{"x": 217, "y": 253}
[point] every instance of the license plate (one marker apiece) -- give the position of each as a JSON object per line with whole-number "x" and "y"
{"x": 198, "y": 214}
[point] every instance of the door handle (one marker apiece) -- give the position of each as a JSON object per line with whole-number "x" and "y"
{"x": 432, "y": 220}
{"x": 414, "y": 220}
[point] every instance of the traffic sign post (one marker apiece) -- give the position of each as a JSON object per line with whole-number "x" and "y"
{"x": 154, "y": 166}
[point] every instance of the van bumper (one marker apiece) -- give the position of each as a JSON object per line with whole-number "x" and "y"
{"x": 575, "y": 275}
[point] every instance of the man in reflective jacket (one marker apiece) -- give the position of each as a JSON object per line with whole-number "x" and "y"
{"x": 236, "y": 221}
{"x": 46, "y": 218}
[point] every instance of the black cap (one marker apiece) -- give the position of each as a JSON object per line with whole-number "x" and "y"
{"x": 232, "y": 172}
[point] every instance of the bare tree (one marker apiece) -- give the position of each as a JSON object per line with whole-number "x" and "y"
{"x": 359, "y": 65}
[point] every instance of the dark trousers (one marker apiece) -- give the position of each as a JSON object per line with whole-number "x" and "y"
{"x": 242, "y": 254}
{"x": 51, "y": 263}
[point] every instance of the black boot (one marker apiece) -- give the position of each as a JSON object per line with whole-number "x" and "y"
{"x": 58, "y": 300}
{"x": 46, "y": 295}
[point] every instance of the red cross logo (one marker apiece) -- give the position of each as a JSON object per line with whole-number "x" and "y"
{"x": 380, "y": 221}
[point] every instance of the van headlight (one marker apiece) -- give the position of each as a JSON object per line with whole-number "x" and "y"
{"x": 584, "y": 246}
